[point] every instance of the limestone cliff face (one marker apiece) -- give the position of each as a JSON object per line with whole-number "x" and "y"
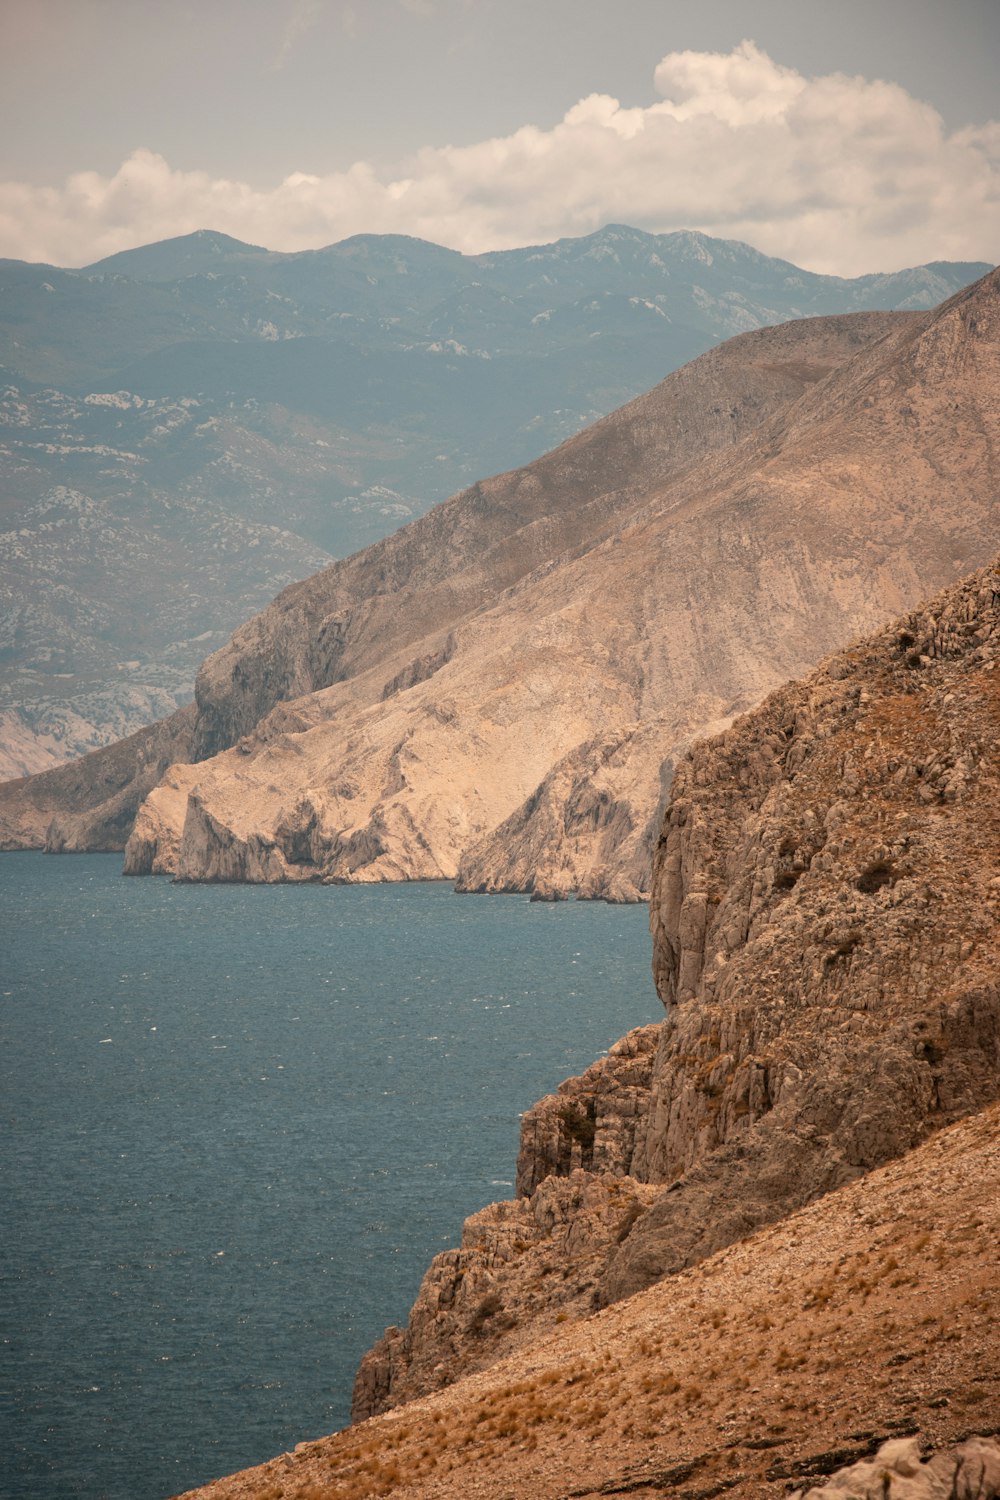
{"x": 824, "y": 914}
{"x": 497, "y": 694}
{"x": 390, "y": 602}
{"x": 384, "y": 652}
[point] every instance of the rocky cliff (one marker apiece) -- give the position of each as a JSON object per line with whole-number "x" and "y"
{"x": 202, "y": 421}
{"x": 824, "y": 917}
{"x": 499, "y": 692}
{"x": 392, "y": 609}
{"x": 673, "y": 587}
{"x": 851, "y": 1348}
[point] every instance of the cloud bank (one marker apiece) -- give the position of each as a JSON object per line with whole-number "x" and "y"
{"x": 839, "y": 174}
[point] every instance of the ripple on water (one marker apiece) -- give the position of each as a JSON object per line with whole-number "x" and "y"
{"x": 231, "y": 1149}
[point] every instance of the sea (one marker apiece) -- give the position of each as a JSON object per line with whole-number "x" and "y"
{"x": 238, "y": 1121}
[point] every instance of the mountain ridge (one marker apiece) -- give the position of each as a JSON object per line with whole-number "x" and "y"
{"x": 313, "y": 639}
{"x": 640, "y": 655}
{"x": 329, "y": 395}
{"x": 392, "y": 715}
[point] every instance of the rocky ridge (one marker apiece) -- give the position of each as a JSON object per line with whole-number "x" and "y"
{"x": 824, "y": 919}
{"x": 380, "y": 606}
{"x": 677, "y": 599}
{"x": 223, "y": 419}
{"x": 416, "y": 712}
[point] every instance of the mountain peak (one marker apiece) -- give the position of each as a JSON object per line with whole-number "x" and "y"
{"x": 182, "y": 255}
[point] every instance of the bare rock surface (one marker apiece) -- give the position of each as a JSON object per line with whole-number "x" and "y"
{"x": 969, "y": 1471}
{"x": 866, "y": 1318}
{"x": 532, "y": 1263}
{"x": 417, "y": 710}
{"x": 824, "y": 918}
{"x": 824, "y": 924}
{"x": 499, "y": 692}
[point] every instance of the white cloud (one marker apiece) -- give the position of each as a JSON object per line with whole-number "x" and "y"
{"x": 835, "y": 173}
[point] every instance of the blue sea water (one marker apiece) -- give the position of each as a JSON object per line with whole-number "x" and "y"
{"x": 237, "y": 1123}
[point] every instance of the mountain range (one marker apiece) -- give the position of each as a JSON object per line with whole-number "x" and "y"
{"x": 754, "y": 1246}
{"x": 186, "y": 427}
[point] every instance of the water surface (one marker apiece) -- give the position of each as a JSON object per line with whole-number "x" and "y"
{"x": 238, "y": 1121}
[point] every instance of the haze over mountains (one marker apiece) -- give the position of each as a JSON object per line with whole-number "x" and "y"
{"x": 499, "y": 691}
{"x": 203, "y": 421}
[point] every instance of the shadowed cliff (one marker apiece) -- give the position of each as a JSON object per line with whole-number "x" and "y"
{"x": 789, "y": 1188}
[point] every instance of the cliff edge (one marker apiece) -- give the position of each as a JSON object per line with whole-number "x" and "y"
{"x": 507, "y": 699}
{"x": 824, "y": 916}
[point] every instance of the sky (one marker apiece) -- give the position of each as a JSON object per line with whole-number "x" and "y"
{"x": 847, "y": 136}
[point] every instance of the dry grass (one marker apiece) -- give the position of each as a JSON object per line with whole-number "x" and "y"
{"x": 872, "y": 1311}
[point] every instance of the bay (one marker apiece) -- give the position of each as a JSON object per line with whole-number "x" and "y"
{"x": 238, "y": 1121}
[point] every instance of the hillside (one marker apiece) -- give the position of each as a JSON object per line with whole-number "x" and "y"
{"x": 802, "y": 1350}
{"x": 757, "y": 1242}
{"x": 824, "y": 929}
{"x": 463, "y": 557}
{"x": 206, "y": 421}
{"x": 847, "y": 475}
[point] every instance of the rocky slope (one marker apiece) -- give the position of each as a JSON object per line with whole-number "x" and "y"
{"x": 102, "y": 789}
{"x": 417, "y": 711}
{"x": 802, "y": 1158}
{"x": 205, "y": 421}
{"x": 464, "y": 555}
{"x": 455, "y": 736}
{"x": 824, "y": 919}
{"x": 808, "y": 1348}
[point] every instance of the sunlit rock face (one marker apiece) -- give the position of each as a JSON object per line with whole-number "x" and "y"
{"x": 824, "y": 919}
{"x": 499, "y": 692}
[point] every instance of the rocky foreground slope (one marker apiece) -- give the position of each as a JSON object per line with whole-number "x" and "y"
{"x": 500, "y": 690}
{"x": 825, "y": 940}
{"x": 796, "y": 1175}
{"x": 819, "y": 1343}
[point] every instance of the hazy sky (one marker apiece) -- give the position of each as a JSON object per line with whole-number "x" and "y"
{"x": 852, "y": 135}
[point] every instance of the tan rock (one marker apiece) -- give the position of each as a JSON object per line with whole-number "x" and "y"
{"x": 498, "y": 691}
{"x": 523, "y": 1267}
{"x": 825, "y": 943}
{"x": 514, "y": 722}
{"x": 969, "y": 1471}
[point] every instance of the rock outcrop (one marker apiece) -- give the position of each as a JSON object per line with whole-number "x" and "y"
{"x": 92, "y": 803}
{"x": 532, "y": 1263}
{"x": 864, "y": 1320}
{"x": 824, "y": 917}
{"x": 417, "y": 710}
{"x": 969, "y": 1471}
